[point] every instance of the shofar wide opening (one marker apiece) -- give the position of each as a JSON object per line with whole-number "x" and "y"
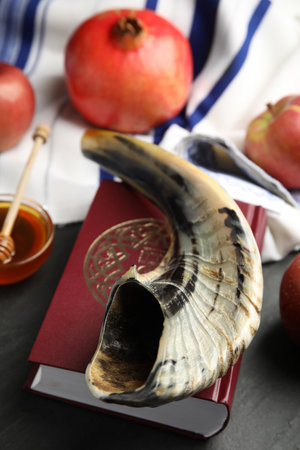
{"x": 130, "y": 339}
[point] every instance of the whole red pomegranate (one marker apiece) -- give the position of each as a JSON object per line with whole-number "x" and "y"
{"x": 128, "y": 70}
{"x": 17, "y": 104}
{"x": 290, "y": 299}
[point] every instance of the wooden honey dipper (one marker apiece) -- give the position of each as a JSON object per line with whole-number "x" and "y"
{"x": 7, "y": 245}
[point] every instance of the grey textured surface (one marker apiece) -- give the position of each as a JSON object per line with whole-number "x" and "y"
{"x": 266, "y": 408}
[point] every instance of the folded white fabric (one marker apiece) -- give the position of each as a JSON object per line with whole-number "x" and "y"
{"x": 245, "y": 182}
{"x": 246, "y": 53}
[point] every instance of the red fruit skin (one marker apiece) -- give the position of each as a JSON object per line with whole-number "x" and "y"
{"x": 17, "y": 105}
{"x": 132, "y": 90}
{"x": 273, "y": 141}
{"x": 290, "y": 299}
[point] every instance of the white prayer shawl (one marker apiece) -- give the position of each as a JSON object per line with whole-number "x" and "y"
{"x": 246, "y": 53}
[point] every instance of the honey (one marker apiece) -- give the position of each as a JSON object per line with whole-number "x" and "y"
{"x": 32, "y": 234}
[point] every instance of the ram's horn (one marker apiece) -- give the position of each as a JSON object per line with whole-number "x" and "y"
{"x": 172, "y": 332}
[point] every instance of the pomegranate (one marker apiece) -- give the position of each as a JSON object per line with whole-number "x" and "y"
{"x": 290, "y": 299}
{"x": 17, "y": 104}
{"x": 128, "y": 70}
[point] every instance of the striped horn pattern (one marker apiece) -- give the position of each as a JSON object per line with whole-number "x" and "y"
{"x": 173, "y": 331}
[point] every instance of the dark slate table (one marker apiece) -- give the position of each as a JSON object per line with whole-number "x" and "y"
{"x": 266, "y": 409}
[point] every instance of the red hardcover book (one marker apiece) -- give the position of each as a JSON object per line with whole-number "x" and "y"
{"x": 70, "y": 331}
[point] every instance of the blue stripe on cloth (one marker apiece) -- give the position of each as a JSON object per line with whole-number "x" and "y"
{"x": 27, "y": 33}
{"x": 104, "y": 175}
{"x": 151, "y": 4}
{"x": 8, "y": 35}
{"x": 40, "y": 38}
{"x": 10, "y": 21}
{"x": 160, "y": 130}
{"x": 200, "y": 38}
{"x": 233, "y": 68}
{"x": 202, "y": 32}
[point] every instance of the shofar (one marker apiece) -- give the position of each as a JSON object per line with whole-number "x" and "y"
{"x": 173, "y": 331}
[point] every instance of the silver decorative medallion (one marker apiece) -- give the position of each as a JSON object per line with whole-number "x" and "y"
{"x": 144, "y": 241}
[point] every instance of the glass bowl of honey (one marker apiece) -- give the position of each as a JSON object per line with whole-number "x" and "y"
{"x": 33, "y": 234}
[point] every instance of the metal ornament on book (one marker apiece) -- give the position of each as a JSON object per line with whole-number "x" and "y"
{"x": 143, "y": 242}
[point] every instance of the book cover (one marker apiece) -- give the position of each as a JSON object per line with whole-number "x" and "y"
{"x": 70, "y": 331}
